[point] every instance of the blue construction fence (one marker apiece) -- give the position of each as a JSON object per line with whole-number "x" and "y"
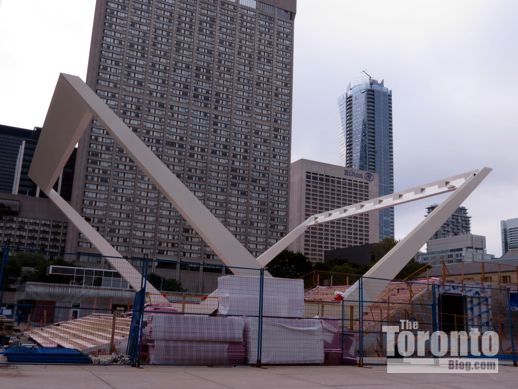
{"x": 251, "y": 318}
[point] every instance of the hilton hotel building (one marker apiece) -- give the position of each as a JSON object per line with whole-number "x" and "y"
{"x": 207, "y": 85}
{"x": 317, "y": 187}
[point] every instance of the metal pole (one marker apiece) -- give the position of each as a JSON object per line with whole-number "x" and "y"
{"x": 510, "y": 315}
{"x": 434, "y": 308}
{"x": 112, "y": 337}
{"x": 3, "y": 268}
{"x": 342, "y": 329}
{"x": 260, "y": 318}
{"x": 136, "y": 362}
{"x": 360, "y": 318}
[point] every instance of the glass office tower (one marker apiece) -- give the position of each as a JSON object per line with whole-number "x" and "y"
{"x": 366, "y": 124}
{"x": 509, "y": 235}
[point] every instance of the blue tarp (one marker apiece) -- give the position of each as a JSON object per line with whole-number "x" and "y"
{"x": 513, "y": 301}
{"x": 45, "y": 355}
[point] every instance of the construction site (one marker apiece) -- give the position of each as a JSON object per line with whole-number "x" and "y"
{"x": 114, "y": 315}
{"x": 249, "y": 320}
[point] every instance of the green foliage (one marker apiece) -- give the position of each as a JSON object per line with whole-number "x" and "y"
{"x": 383, "y": 247}
{"x": 411, "y": 269}
{"x": 13, "y": 272}
{"x": 378, "y": 250}
{"x": 27, "y": 266}
{"x": 40, "y": 272}
{"x": 27, "y": 259}
{"x": 6, "y": 210}
{"x": 290, "y": 265}
{"x": 165, "y": 284}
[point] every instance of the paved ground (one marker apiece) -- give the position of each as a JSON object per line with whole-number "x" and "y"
{"x": 273, "y": 377}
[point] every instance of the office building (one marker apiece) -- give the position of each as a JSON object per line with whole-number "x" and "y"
{"x": 28, "y": 220}
{"x": 17, "y": 147}
{"x": 455, "y": 248}
{"x": 459, "y": 223}
{"x": 318, "y": 187}
{"x": 498, "y": 271}
{"x": 509, "y": 235}
{"x": 207, "y": 85}
{"x": 453, "y": 242}
{"x": 366, "y": 124}
{"x": 32, "y": 223}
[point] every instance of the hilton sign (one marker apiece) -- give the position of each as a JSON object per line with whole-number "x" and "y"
{"x": 368, "y": 176}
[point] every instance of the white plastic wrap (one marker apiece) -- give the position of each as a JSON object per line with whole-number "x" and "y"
{"x": 286, "y": 341}
{"x": 167, "y": 326}
{"x": 239, "y": 295}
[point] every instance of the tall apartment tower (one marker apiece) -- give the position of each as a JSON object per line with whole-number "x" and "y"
{"x": 366, "y": 125}
{"x": 459, "y": 223}
{"x": 509, "y": 235}
{"x": 207, "y": 85}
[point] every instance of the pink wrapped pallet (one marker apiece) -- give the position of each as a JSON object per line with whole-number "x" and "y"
{"x": 177, "y": 339}
{"x": 170, "y": 352}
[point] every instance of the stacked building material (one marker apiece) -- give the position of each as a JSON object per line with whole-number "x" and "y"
{"x": 286, "y": 341}
{"x": 91, "y": 334}
{"x": 239, "y": 295}
{"x": 6, "y": 329}
{"x": 339, "y": 348}
{"x": 177, "y": 339}
{"x": 6, "y": 326}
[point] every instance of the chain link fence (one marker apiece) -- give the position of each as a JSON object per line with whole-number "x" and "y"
{"x": 251, "y": 319}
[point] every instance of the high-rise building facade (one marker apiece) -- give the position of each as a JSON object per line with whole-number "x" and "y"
{"x": 459, "y": 223}
{"x": 26, "y": 221}
{"x": 207, "y": 85}
{"x": 317, "y": 187}
{"x": 17, "y": 146}
{"x": 454, "y": 242}
{"x": 32, "y": 223}
{"x": 509, "y": 235}
{"x": 455, "y": 248}
{"x": 366, "y": 125}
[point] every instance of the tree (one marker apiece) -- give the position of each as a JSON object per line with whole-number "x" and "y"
{"x": 165, "y": 284}
{"x": 6, "y": 210}
{"x": 377, "y": 251}
{"x": 12, "y": 273}
{"x": 290, "y": 265}
{"x": 383, "y": 247}
{"x": 410, "y": 271}
{"x": 28, "y": 266}
{"x": 40, "y": 273}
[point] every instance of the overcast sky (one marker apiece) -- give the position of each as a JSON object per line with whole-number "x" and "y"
{"x": 452, "y": 66}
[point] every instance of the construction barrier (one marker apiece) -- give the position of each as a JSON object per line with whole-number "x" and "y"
{"x": 250, "y": 319}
